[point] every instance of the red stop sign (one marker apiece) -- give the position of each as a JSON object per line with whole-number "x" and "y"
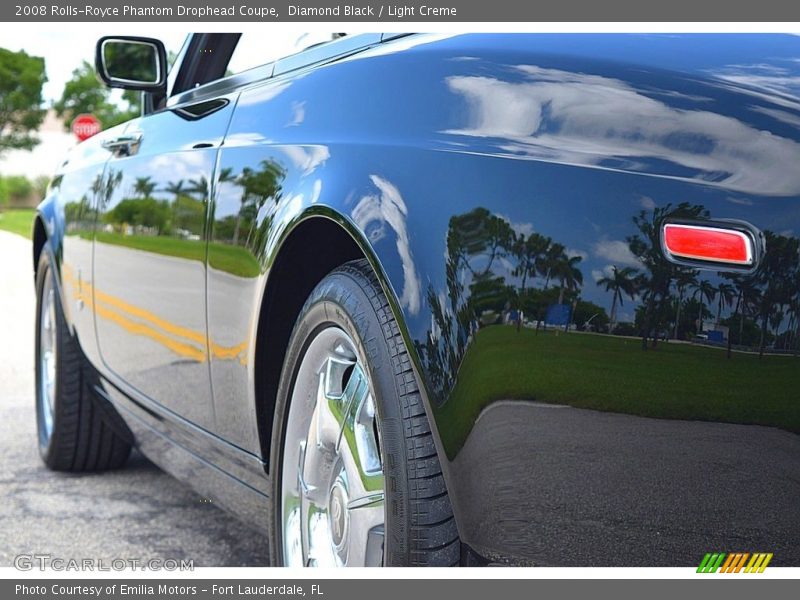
{"x": 85, "y": 126}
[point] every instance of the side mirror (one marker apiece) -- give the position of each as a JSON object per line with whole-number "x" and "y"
{"x": 132, "y": 63}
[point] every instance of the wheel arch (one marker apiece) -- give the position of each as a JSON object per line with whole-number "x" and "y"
{"x": 39, "y": 240}
{"x": 314, "y": 246}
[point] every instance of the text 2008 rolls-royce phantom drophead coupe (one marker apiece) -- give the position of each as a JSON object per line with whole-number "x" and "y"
{"x": 439, "y": 300}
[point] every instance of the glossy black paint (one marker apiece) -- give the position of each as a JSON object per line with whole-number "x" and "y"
{"x": 481, "y": 174}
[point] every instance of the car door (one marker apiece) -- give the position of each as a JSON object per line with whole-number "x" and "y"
{"x": 149, "y": 254}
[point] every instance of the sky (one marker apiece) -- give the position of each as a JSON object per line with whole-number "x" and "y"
{"x": 64, "y": 46}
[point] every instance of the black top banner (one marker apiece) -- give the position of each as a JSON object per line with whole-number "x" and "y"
{"x": 456, "y": 11}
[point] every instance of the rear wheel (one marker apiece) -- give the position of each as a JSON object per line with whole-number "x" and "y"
{"x": 74, "y": 432}
{"x": 360, "y": 482}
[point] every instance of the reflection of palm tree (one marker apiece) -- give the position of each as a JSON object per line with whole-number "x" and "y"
{"x": 144, "y": 187}
{"x": 529, "y": 252}
{"x": 726, "y": 294}
{"x": 776, "y": 278}
{"x": 683, "y": 280}
{"x": 621, "y": 283}
{"x": 568, "y": 274}
{"x": 198, "y": 186}
{"x": 571, "y": 279}
{"x": 703, "y": 292}
{"x": 793, "y": 311}
{"x": 746, "y": 299}
{"x": 657, "y": 279}
{"x": 552, "y": 258}
{"x": 258, "y": 186}
{"x": 175, "y": 187}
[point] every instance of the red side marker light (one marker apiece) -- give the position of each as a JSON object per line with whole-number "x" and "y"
{"x": 712, "y": 244}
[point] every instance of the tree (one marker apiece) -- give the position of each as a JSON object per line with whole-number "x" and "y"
{"x": 84, "y": 93}
{"x": 144, "y": 187}
{"x": 40, "y": 186}
{"x": 589, "y": 316}
{"x": 553, "y": 256}
{"x": 684, "y": 279}
{"x": 529, "y": 251}
{"x": 704, "y": 292}
{"x": 776, "y": 279}
{"x": 656, "y": 282}
{"x": 18, "y": 188}
{"x": 620, "y": 283}
{"x": 726, "y": 293}
{"x": 568, "y": 275}
{"x": 21, "y": 80}
{"x": 747, "y": 299}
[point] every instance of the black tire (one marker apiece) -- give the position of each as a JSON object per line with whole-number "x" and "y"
{"x": 82, "y": 437}
{"x": 420, "y": 526}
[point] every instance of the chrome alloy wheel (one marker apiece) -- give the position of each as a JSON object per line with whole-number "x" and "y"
{"x": 48, "y": 349}
{"x": 332, "y": 492}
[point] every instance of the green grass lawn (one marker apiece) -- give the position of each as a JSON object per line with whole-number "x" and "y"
{"x": 674, "y": 381}
{"x": 18, "y": 220}
{"x": 231, "y": 259}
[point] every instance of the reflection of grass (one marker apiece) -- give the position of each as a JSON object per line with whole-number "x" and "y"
{"x": 18, "y": 220}
{"x": 231, "y": 259}
{"x": 676, "y": 381}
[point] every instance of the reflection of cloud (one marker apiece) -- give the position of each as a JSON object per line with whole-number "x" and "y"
{"x": 647, "y": 203}
{"x": 742, "y": 201}
{"x": 177, "y": 166}
{"x": 307, "y": 158}
{"x": 590, "y": 120}
{"x": 245, "y": 138}
{"x": 518, "y": 228}
{"x": 298, "y": 114}
{"x": 607, "y": 271}
{"x": 316, "y": 191}
{"x": 371, "y": 214}
{"x": 762, "y": 77}
{"x": 617, "y": 252}
{"x": 779, "y": 115}
{"x": 263, "y": 94}
{"x": 573, "y": 252}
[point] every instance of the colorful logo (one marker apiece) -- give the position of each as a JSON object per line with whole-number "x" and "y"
{"x": 735, "y": 562}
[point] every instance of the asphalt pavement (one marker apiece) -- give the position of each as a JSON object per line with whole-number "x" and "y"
{"x": 138, "y": 512}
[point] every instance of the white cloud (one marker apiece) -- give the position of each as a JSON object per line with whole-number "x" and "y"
{"x": 607, "y": 271}
{"x": 647, "y": 203}
{"x": 573, "y": 252}
{"x": 600, "y": 122}
{"x": 520, "y": 228}
{"x": 617, "y": 252}
{"x": 307, "y": 158}
{"x": 390, "y": 209}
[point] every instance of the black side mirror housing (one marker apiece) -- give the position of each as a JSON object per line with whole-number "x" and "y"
{"x": 132, "y": 63}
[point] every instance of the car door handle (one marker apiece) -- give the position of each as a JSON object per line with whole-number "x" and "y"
{"x": 124, "y": 145}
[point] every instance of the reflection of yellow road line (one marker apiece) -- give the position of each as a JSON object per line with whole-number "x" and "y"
{"x": 156, "y": 328}
{"x": 137, "y": 328}
{"x": 224, "y": 353}
{"x": 145, "y": 315}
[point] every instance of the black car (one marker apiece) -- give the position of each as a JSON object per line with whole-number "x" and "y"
{"x": 439, "y": 300}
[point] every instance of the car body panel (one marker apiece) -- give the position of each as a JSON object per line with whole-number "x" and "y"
{"x": 561, "y": 445}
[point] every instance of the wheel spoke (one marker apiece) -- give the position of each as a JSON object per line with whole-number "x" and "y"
{"x": 338, "y": 483}
{"x": 47, "y": 357}
{"x": 366, "y": 522}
